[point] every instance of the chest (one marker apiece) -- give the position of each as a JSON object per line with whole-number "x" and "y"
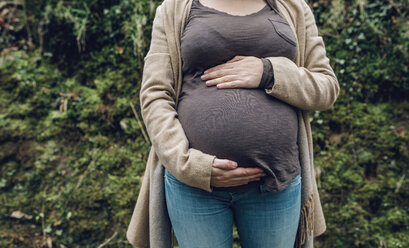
{"x": 212, "y": 37}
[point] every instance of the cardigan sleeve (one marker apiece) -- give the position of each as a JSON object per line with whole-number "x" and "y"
{"x": 313, "y": 86}
{"x": 157, "y": 101}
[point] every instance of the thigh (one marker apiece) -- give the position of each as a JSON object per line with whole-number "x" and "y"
{"x": 269, "y": 219}
{"x": 199, "y": 218}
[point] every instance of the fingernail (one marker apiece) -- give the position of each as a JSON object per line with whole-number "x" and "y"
{"x": 234, "y": 164}
{"x": 205, "y": 72}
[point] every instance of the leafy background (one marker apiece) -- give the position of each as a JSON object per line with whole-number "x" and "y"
{"x": 73, "y": 147}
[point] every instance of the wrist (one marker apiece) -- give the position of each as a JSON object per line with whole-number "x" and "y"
{"x": 267, "y": 79}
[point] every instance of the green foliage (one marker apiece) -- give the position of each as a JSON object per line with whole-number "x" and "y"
{"x": 368, "y": 43}
{"x": 362, "y": 171}
{"x": 72, "y": 152}
{"x": 69, "y": 169}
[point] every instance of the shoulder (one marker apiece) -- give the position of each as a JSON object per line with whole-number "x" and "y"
{"x": 298, "y": 3}
{"x": 296, "y": 8}
{"x": 174, "y": 6}
{"x": 173, "y": 11}
{"x": 299, "y": 12}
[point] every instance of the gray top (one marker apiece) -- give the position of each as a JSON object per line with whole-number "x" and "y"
{"x": 242, "y": 124}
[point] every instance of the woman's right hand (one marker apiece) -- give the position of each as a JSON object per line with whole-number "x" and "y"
{"x": 226, "y": 174}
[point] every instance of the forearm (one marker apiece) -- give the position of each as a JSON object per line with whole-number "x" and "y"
{"x": 158, "y": 109}
{"x": 302, "y": 87}
{"x": 313, "y": 85}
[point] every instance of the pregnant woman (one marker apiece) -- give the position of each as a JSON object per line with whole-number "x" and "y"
{"x": 225, "y": 93}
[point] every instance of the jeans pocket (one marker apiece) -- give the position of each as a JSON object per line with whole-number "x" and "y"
{"x": 296, "y": 181}
{"x": 262, "y": 188}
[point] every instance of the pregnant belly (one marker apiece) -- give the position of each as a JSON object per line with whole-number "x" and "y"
{"x": 244, "y": 125}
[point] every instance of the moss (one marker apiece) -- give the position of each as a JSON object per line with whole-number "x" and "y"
{"x": 362, "y": 182}
{"x": 72, "y": 153}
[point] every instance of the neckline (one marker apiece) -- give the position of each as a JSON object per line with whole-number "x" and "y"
{"x": 225, "y": 13}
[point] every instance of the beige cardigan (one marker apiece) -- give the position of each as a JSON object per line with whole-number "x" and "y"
{"x": 308, "y": 84}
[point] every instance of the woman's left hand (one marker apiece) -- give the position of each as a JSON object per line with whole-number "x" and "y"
{"x": 239, "y": 72}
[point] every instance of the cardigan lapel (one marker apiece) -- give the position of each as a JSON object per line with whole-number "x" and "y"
{"x": 176, "y": 16}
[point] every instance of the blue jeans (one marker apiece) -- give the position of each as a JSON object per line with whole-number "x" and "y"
{"x": 205, "y": 219}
